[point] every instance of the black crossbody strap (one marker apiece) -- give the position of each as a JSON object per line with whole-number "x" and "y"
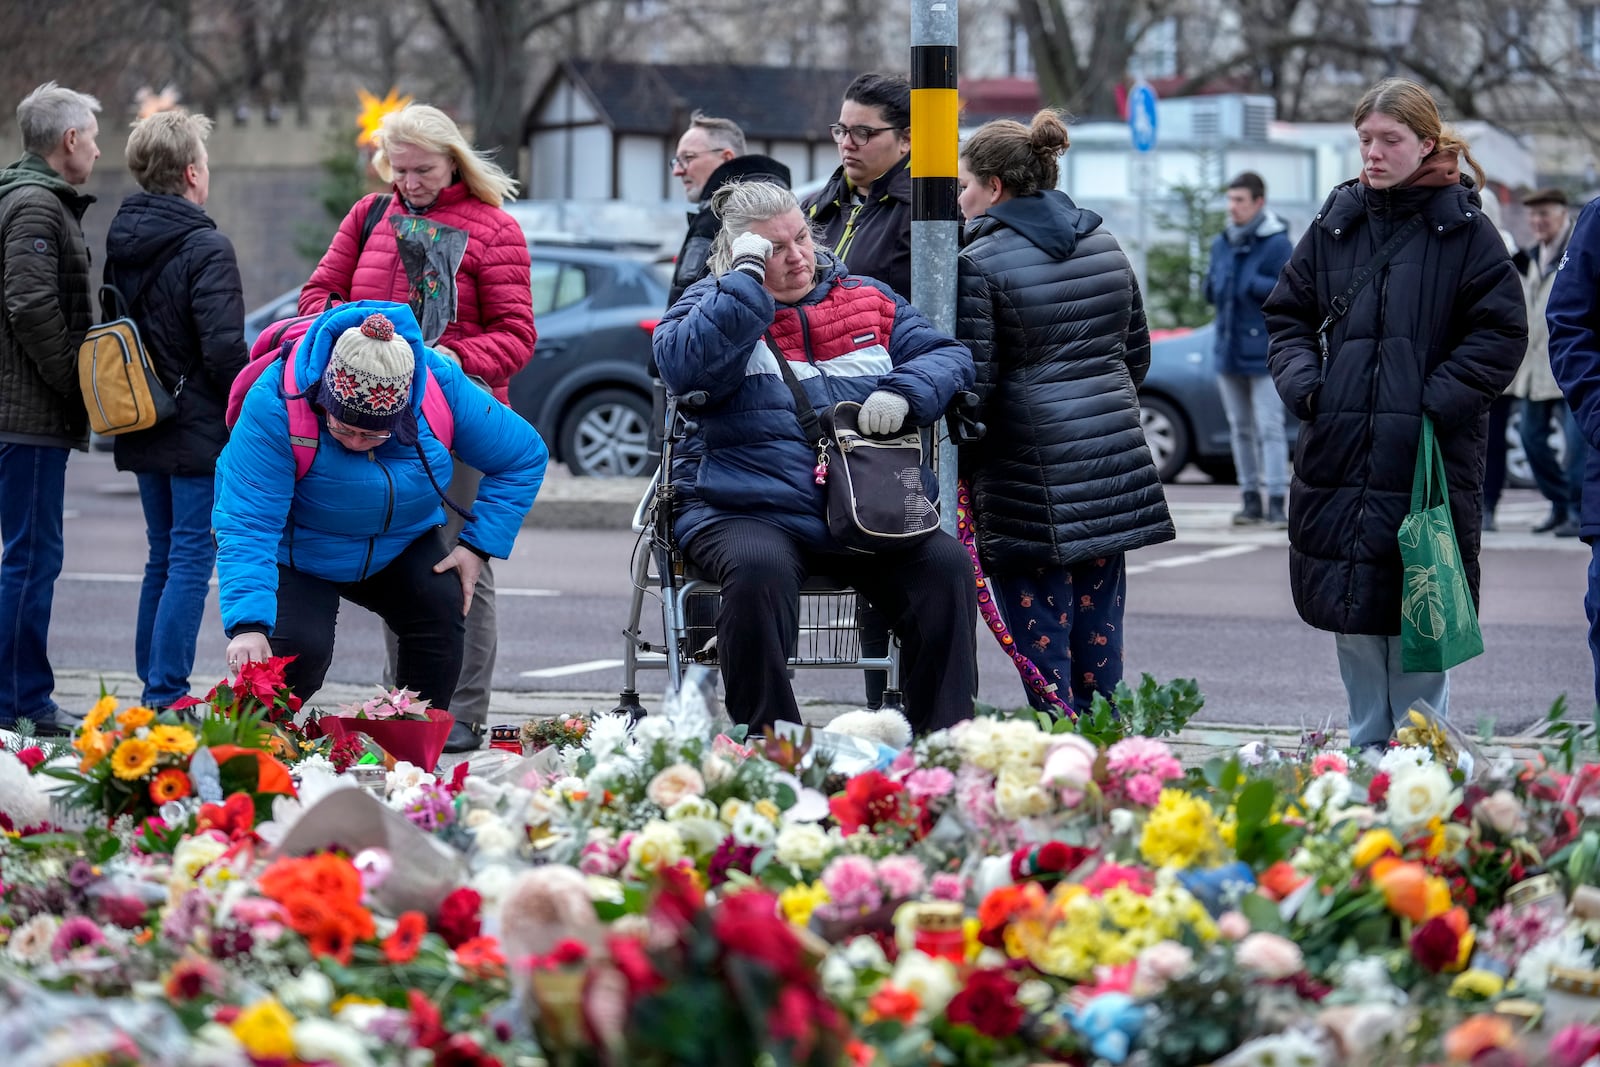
{"x": 810, "y": 425}
{"x": 1340, "y": 305}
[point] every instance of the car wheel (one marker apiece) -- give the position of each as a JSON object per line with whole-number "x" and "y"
{"x": 607, "y": 435}
{"x": 1167, "y": 435}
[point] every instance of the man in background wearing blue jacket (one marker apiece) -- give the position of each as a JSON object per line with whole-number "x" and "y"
{"x": 1573, "y": 315}
{"x": 1245, "y": 261}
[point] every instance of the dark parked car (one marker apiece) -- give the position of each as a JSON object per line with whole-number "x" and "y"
{"x": 587, "y": 390}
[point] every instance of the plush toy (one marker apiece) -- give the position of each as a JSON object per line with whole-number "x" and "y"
{"x": 1111, "y": 1022}
{"x": 886, "y": 727}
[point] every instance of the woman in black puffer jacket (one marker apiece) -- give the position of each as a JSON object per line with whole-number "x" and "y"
{"x": 1439, "y": 331}
{"x": 1062, "y": 482}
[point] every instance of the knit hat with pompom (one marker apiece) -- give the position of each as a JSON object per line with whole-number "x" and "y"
{"x": 367, "y": 383}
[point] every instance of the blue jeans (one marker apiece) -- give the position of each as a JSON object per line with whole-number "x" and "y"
{"x": 1548, "y": 474}
{"x": 1255, "y": 420}
{"x": 1379, "y": 691}
{"x": 172, "y": 600}
{"x": 33, "y": 492}
{"x": 1591, "y": 607}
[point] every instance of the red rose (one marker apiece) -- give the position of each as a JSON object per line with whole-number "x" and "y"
{"x": 988, "y": 1004}
{"x": 868, "y": 799}
{"x": 1378, "y": 789}
{"x": 31, "y": 756}
{"x": 460, "y": 916}
{"x": 1435, "y": 945}
{"x": 747, "y": 924}
{"x": 680, "y": 897}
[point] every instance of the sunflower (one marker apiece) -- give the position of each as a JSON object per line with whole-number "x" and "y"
{"x": 100, "y": 713}
{"x": 172, "y": 739}
{"x": 133, "y": 759}
{"x": 170, "y": 784}
{"x": 135, "y": 717}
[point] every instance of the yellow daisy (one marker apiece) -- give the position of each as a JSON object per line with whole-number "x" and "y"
{"x": 172, "y": 739}
{"x": 133, "y": 759}
{"x": 100, "y": 713}
{"x": 135, "y": 717}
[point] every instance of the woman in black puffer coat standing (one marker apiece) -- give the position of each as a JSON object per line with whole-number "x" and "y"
{"x": 1439, "y": 331}
{"x": 1062, "y": 481}
{"x": 166, "y": 256}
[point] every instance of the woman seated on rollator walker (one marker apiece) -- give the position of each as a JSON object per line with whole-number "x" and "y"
{"x": 752, "y": 512}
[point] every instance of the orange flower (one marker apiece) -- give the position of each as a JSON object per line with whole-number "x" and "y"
{"x": 1477, "y": 1034}
{"x": 98, "y": 714}
{"x": 271, "y": 776}
{"x": 335, "y": 940}
{"x": 136, "y": 717}
{"x": 1003, "y": 905}
{"x": 170, "y": 784}
{"x": 95, "y": 747}
{"x": 401, "y": 946}
{"x": 901, "y": 1005}
{"x": 1279, "y": 880}
{"x": 1409, "y": 890}
{"x": 481, "y": 955}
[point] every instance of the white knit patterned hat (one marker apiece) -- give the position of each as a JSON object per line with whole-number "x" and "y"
{"x": 368, "y": 379}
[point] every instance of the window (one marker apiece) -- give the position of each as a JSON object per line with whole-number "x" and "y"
{"x": 557, "y": 285}
{"x": 1589, "y": 34}
{"x": 1157, "y": 54}
{"x": 1019, "y": 56}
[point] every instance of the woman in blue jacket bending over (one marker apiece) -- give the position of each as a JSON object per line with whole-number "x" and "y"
{"x": 752, "y": 513}
{"x": 363, "y": 523}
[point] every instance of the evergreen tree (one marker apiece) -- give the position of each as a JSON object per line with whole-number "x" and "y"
{"x": 1175, "y": 271}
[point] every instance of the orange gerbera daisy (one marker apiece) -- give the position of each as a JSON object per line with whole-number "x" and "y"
{"x": 133, "y": 759}
{"x": 401, "y": 946}
{"x": 481, "y": 955}
{"x": 170, "y": 784}
{"x": 136, "y": 717}
{"x": 172, "y": 739}
{"x": 100, "y": 713}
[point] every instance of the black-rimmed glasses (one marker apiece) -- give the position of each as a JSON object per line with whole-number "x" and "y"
{"x": 858, "y": 135}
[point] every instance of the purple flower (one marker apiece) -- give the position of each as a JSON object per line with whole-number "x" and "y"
{"x": 730, "y": 856}
{"x": 80, "y": 874}
{"x": 434, "y": 808}
{"x": 80, "y": 931}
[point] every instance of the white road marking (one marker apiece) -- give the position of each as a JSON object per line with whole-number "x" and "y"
{"x": 1198, "y": 557}
{"x": 573, "y": 668}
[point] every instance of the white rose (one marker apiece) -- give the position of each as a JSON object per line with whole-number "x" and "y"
{"x": 803, "y": 845}
{"x": 752, "y": 828}
{"x": 495, "y": 838}
{"x": 1122, "y": 821}
{"x": 1419, "y": 794}
{"x": 934, "y": 981}
{"x": 325, "y": 1041}
{"x": 837, "y": 977}
{"x": 717, "y": 769}
{"x": 1017, "y": 793}
{"x": 193, "y": 855}
{"x": 405, "y": 776}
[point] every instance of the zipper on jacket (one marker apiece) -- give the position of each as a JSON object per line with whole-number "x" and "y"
{"x": 843, "y": 247}
{"x": 388, "y": 512}
{"x": 1372, "y": 419}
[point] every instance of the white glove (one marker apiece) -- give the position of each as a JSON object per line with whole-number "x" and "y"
{"x": 882, "y": 413}
{"x": 750, "y": 252}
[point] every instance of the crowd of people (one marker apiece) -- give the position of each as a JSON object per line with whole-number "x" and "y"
{"x": 372, "y": 457}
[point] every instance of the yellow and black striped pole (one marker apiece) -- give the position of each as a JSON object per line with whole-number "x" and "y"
{"x": 935, "y": 219}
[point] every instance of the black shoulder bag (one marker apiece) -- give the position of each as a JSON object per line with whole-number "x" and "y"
{"x": 1340, "y": 305}
{"x": 876, "y": 498}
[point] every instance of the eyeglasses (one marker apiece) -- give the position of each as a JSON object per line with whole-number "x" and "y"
{"x": 685, "y": 159}
{"x": 858, "y": 135}
{"x": 340, "y": 430}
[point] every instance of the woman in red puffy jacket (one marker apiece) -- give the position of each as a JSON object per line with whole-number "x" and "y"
{"x": 487, "y": 328}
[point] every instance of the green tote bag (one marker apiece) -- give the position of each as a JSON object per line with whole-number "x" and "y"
{"x": 1438, "y": 624}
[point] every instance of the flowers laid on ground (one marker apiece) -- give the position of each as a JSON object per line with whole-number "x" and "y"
{"x": 400, "y": 704}
{"x": 669, "y": 891}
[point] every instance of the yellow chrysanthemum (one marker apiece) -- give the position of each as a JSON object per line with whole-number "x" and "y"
{"x": 1181, "y": 832}
{"x": 100, "y": 713}
{"x": 172, "y": 739}
{"x": 1477, "y": 985}
{"x": 799, "y": 901}
{"x": 265, "y": 1029}
{"x": 133, "y": 759}
{"x": 136, "y": 717}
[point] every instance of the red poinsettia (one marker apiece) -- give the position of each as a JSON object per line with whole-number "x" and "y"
{"x": 235, "y": 817}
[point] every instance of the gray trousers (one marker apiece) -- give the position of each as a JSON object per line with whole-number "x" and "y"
{"x": 1380, "y": 690}
{"x": 471, "y": 701}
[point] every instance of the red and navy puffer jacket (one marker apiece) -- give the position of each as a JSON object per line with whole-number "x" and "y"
{"x": 846, "y": 338}
{"x": 493, "y": 334}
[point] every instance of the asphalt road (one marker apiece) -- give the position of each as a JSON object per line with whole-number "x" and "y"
{"x": 1213, "y": 606}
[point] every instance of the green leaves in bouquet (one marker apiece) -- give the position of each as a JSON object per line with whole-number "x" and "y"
{"x": 1154, "y": 709}
{"x": 1575, "y": 740}
{"x": 1259, "y": 840}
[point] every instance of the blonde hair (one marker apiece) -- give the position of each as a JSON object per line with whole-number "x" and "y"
{"x": 431, "y": 130}
{"x": 1414, "y": 107}
{"x": 46, "y": 114}
{"x": 740, "y": 205}
{"x": 1022, "y": 157}
{"x": 161, "y": 148}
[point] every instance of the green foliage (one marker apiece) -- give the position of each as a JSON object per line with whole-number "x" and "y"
{"x": 344, "y": 181}
{"x": 1175, "y": 271}
{"x": 1153, "y": 710}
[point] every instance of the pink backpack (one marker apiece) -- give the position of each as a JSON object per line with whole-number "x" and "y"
{"x": 281, "y": 341}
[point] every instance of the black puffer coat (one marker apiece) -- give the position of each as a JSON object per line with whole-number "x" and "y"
{"x": 1050, "y": 308}
{"x": 191, "y": 320}
{"x": 1440, "y": 330}
{"x": 873, "y": 238}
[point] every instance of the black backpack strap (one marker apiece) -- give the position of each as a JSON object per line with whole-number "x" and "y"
{"x": 1339, "y": 306}
{"x": 375, "y": 213}
{"x": 810, "y": 425}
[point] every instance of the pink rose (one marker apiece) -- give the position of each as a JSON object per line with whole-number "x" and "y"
{"x": 1503, "y": 811}
{"x": 673, "y": 784}
{"x": 1160, "y": 964}
{"x": 1233, "y": 926}
{"x": 1069, "y": 766}
{"x": 1270, "y": 956}
{"x": 930, "y": 783}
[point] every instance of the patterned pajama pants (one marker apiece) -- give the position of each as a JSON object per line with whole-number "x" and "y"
{"x": 1068, "y": 621}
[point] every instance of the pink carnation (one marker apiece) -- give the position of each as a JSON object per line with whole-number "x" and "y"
{"x": 946, "y": 886}
{"x": 1136, "y": 755}
{"x": 930, "y": 783}
{"x": 1142, "y": 789}
{"x": 1329, "y": 761}
{"x": 852, "y": 884}
{"x": 601, "y": 858}
{"x": 902, "y": 876}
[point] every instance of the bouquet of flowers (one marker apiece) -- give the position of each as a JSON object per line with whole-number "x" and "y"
{"x": 391, "y": 704}
{"x": 403, "y": 726}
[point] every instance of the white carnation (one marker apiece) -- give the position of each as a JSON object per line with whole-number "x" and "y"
{"x": 651, "y": 729}
{"x": 495, "y": 838}
{"x": 1562, "y": 949}
{"x": 803, "y": 845}
{"x": 1327, "y": 792}
{"x": 1397, "y": 759}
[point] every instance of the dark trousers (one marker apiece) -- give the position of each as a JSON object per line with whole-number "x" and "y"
{"x": 925, "y": 592}
{"x": 1494, "y": 460}
{"x": 1540, "y": 418}
{"x": 1068, "y": 621}
{"x": 421, "y": 607}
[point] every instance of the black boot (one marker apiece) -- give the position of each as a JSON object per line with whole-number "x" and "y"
{"x": 1276, "y": 517}
{"x": 1557, "y": 516}
{"x": 1251, "y": 513}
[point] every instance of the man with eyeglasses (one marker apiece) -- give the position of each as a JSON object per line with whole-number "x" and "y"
{"x": 864, "y": 212}
{"x": 710, "y": 155}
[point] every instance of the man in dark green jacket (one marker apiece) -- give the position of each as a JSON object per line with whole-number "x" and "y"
{"x": 44, "y": 277}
